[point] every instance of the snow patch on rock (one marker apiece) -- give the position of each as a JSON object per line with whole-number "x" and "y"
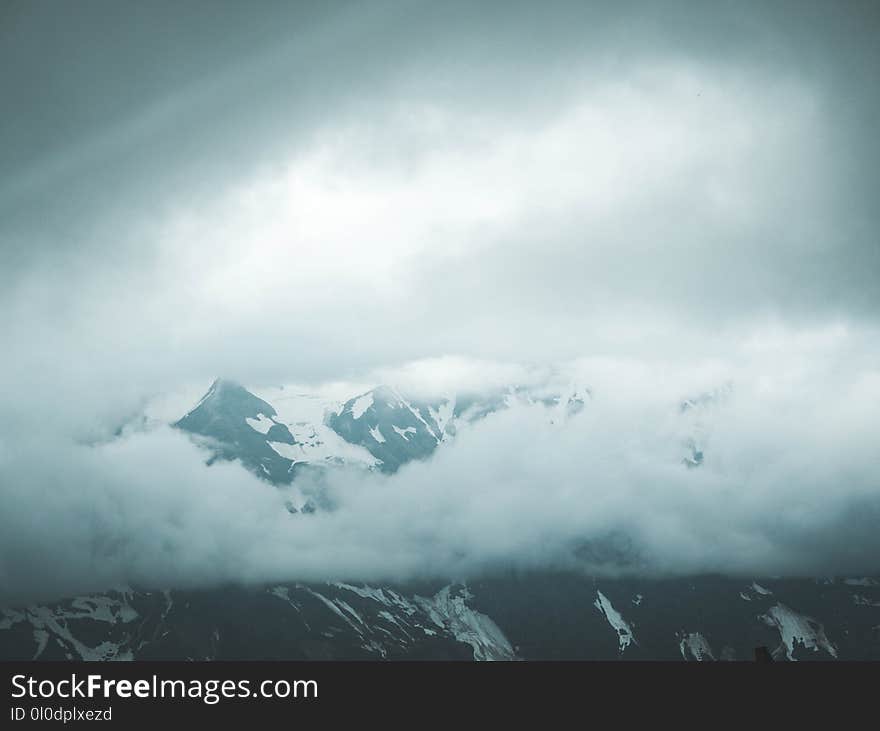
{"x": 795, "y": 628}
{"x": 625, "y": 634}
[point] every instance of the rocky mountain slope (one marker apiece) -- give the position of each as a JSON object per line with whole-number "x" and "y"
{"x": 538, "y": 615}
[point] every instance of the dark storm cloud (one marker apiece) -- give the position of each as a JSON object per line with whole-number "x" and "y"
{"x": 118, "y": 115}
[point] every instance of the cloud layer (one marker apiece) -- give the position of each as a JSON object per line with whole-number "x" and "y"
{"x": 788, "y": 486}
{"x": 656, "y": 200}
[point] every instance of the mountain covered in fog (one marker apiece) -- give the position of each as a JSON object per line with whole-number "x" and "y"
{"x": 380, "y": 429}
{"x": 282, "y": 433}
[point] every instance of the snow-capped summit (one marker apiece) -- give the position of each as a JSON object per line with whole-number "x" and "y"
{"x": 391, "y": 428}
{"x": 283, "y": 429}
{"x": 241, "y": 426}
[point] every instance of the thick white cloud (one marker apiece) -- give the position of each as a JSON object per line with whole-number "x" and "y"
{"x": 788, "y": 486}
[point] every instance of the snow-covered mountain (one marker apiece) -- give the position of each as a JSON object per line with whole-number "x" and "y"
{"x": 278, "y": 433}
{"x": 241, "y": 426}
{"x": 277, "y": 622}
{"x": 391, "y": 428}
{"x": 284, "y": 430}
{"x": 537, "y": 615}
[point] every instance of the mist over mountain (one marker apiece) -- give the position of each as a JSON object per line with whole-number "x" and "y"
{"x": 631, "y": 504}
{"x": 296, "y": 485}
{"x": 418, "y": 292}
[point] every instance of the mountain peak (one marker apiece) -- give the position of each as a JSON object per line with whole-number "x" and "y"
{"x": 226, "y": 414}
{"x": 228, "y": 397}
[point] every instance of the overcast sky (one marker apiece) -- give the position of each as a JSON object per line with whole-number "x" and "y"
{"x": 295, "y": 192}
